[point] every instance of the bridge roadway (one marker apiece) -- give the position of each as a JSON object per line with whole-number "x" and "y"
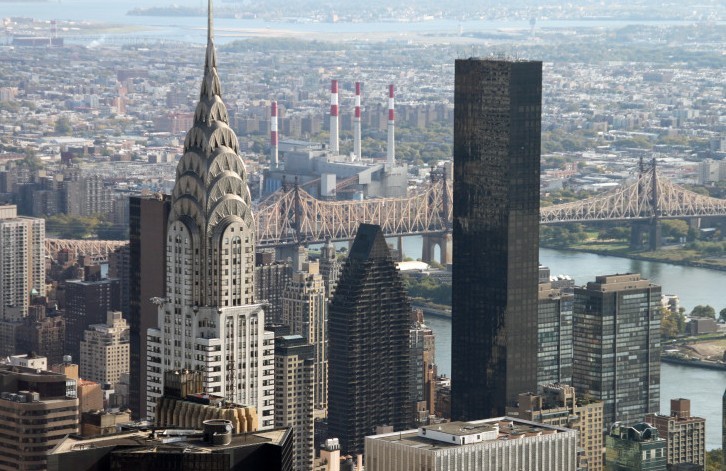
{"x": 292, "y": 216}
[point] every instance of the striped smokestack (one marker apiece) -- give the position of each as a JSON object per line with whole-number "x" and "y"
{"x": 357, "y": 124}
{"x": 391, "y": 152}
{"x": 274, "y": 139}
{"x": 334, "y": 117}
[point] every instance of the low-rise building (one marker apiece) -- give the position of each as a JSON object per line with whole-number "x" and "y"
{"x": 685, "y": 435}
{"x": 636, "y": 448}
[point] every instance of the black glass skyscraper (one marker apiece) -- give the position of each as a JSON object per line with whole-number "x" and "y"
{"x": 368, "y": 325}
{"x": 497, "y": 118}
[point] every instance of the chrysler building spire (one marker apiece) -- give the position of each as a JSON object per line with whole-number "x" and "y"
{"x": 208, "y": 319}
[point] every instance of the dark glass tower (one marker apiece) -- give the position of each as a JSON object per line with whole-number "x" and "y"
{"x": 147, "y": 279}
{"x": 617, "y": 345}
{"x": 497, "y": 117}
{"x": 368, "y": 324}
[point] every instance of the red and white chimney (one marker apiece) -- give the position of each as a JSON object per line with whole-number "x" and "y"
{"x": 334, "y": 117}
{"x": 357, "y": 124}
{"x": 274, "y": 138}
{"x": 391, "y": 152}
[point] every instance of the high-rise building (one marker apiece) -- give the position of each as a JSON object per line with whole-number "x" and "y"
{"x": 37, "y": 413}
{"x": 271, "y": 278}
{"x": 119, "y": 267}
{"x": 22, "y": 262}
{"x": 148, "y": 218}
{"x": 87, "y": 303}
{"x": 559, "y": 406}
{"x": 42, "y": 334}
{"x": 480, "y": 445}
{"x": 497, "y": 118}
{"x": 294, "y": 393}
{"x": 105, "y": 350}
{"x": 616, "y": 345}
{"x": 208, "y": 319}
{"x": 636, "y": 448}
{"x": 423, "y": 368}
{"x": 368, "y": 320}
{"x": 305, "y": 311}
{"x": 329, "y": 267}
{"x": 554, "y": 335}
{"x": 685, "y": 435}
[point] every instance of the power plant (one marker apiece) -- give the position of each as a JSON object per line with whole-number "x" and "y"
{"x": 326, "y": 173}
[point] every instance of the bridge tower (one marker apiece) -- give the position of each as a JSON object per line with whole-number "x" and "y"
{"x": 443, "y": 239}
{"x": 647, "y": 189}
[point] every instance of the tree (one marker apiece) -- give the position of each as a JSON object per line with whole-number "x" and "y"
{"x": 722, "y": 314}
{"x": 674, "y": 228}
{"x": 63, "y": 126}
{"x": 703, "y": 311}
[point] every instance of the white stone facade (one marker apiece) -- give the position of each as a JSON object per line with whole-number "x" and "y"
{"x": 525, "y": 446}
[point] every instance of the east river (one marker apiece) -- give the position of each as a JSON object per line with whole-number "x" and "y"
{"x": 694, "y": 286}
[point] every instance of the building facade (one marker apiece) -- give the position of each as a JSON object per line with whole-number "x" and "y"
{"x": 621, "y": 314}
{"x": 294, "y": 393}
{"x": 36, "y": 413}
{"x": 369, "y": 318}
{"x": 305, "y": 311}
{"x": 271, "y": 278}
{"x": 554, "y": 335}
{"x": 685, "y": 435}
{"x": 88, "y": 303}
{"x": 105, "y": 350}
{"x": 559, "y": 406}
{"x": 22, "y": 262}
{"x": 636, "y": 448}
{"x": 208, "y": 319}
{"x": 42, "y": 334}
{"x": 148, "y": 218}
{"x": 482, "y": 445}
{"x": 497, "y": 119}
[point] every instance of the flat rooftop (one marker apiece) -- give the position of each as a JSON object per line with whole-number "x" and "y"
{"x": 182, "y": 439}
{"x": 503, "y": 428}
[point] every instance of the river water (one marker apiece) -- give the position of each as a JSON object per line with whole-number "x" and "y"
{"x": 191, "y": 29}
{"x": 704, "y": 388}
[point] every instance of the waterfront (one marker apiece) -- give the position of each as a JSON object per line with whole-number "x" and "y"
{"x": 693, "y": 285}
{"x": 191, "y": 29}
{"x": 703, "y": 387}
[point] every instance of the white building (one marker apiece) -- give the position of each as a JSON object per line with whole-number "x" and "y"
{"x": 105, "y": 350}
{"x": 22, "y": 262}
{"x": 208, "y": 319}
{"x": 481, "y": 445}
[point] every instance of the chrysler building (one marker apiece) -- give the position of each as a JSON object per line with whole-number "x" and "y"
{"x": 208, "y": 319}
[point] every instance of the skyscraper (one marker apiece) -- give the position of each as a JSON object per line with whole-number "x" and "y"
{"x": 87, "y": 303}
{"x": 497, "y": 116}
{"x": 148, "y": 219}
{"x": 554, "y": 335}
{"x": 368, "y": 320}
{"x": 617, "y": 345}
{"x": 208, "y": 320}
{"x": 105, "y": 350}
{"x": 305, "y": 311}
{"x": 22, "y": 262}
{"x": 294, "y": 377}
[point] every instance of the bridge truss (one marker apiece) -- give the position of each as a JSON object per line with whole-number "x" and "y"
{"x": 648, "y": 197}
{"x": 291, "y": 215}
